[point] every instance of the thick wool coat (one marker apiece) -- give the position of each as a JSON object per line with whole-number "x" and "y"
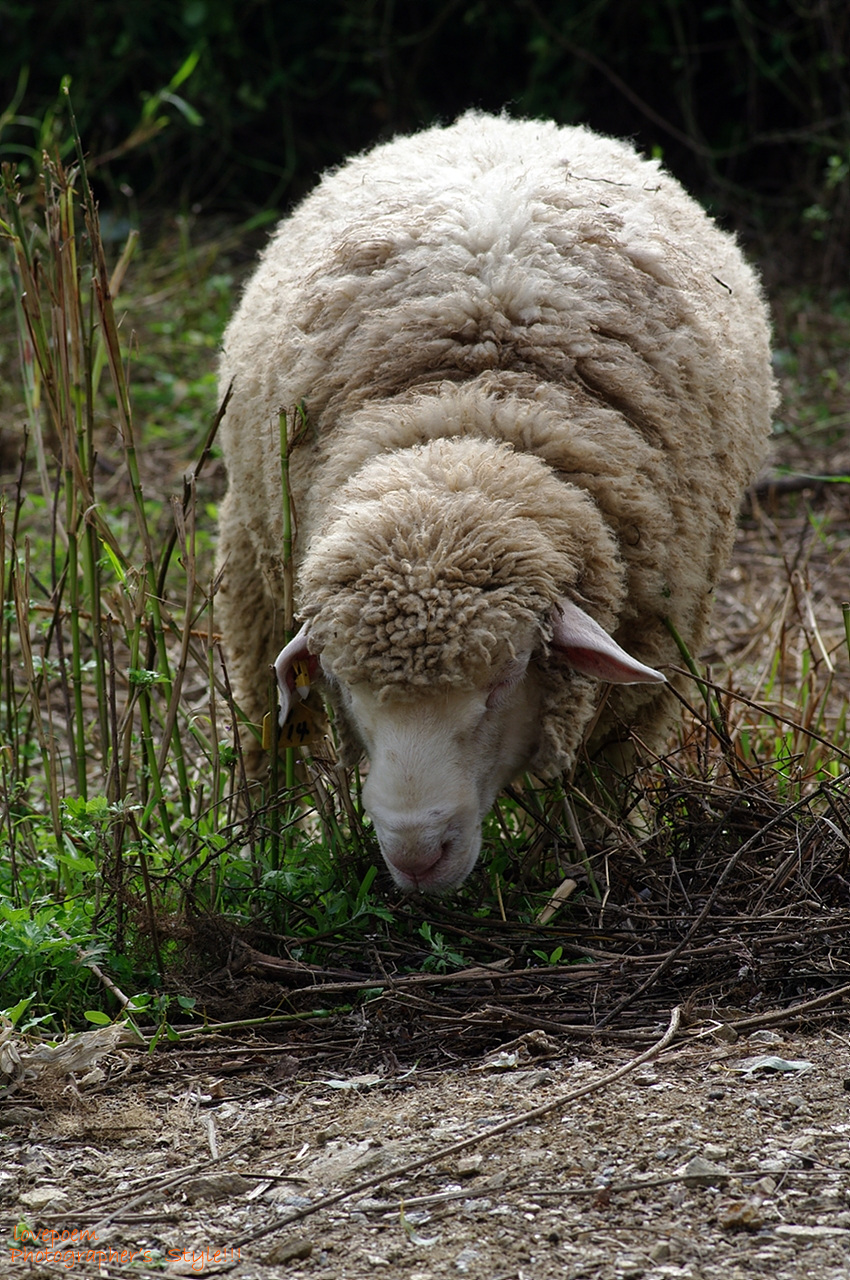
{"x": 533, "y": 367}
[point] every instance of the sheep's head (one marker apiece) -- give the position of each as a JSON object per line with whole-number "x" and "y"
{"x": 435, "y": 597}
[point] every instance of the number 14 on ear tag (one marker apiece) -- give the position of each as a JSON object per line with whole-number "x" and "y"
{"x": 302, "y": 725}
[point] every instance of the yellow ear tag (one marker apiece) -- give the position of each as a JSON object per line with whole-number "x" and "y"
{"x": 301, "y": 671}
{"x": 302, "y": 725}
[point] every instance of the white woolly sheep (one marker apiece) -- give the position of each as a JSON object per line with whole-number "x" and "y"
{"x": 537, "y": 379}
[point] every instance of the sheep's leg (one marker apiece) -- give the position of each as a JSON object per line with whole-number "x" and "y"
{"x": 252, "y": 627}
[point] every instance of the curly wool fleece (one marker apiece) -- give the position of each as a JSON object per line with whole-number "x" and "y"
{"x": 533, "y": 368}
{"x": 460, "y": 547}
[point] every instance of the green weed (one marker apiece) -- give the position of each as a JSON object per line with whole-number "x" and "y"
{"x": 124, "y": 800}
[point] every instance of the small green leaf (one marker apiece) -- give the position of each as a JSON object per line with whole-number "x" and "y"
{"x": 17, "y": 1010}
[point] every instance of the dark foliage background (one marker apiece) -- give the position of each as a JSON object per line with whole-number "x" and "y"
{"x": 748, "y": 101}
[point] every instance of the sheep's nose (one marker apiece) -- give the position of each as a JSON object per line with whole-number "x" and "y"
{"x": 414, "y": 849}
{"x": 432, "y": 851}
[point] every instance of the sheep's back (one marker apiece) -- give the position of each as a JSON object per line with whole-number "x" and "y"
{"x": 544, "y": 265}
{"x": 505, "y": 245}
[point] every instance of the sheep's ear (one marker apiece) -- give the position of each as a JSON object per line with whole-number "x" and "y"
{"x": 588, "y": 648}
{"x": 295, "y": 668}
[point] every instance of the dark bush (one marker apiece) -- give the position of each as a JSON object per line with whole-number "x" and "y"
{"x": 749, "y": 103}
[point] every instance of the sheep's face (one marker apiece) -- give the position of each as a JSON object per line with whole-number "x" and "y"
{"x": 436, "y": 764}
{"x": 438, "y": 756}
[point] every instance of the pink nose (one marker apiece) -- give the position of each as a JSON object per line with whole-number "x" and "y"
{"x": 414, "y": 853}
{"x": 423, "y": 851}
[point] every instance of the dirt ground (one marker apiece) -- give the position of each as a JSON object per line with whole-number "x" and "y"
{"x": 717, "y": 1159}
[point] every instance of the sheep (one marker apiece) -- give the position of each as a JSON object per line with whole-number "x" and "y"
{"x": 537, "y": 380}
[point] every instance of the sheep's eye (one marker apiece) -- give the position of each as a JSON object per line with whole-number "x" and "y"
{"x": 507, "y": 680}
{"x": 497, "y": 695}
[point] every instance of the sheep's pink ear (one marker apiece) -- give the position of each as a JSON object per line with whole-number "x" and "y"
{"x": 588, "y": 648}
{"x": 295, "y": 668}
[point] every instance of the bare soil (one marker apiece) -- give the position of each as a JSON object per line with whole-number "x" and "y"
{"x": 698, "y": 1164}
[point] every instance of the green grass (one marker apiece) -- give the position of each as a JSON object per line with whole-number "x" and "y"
{"x": 126, "y": 817}
{"x": 125, "y": 806}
